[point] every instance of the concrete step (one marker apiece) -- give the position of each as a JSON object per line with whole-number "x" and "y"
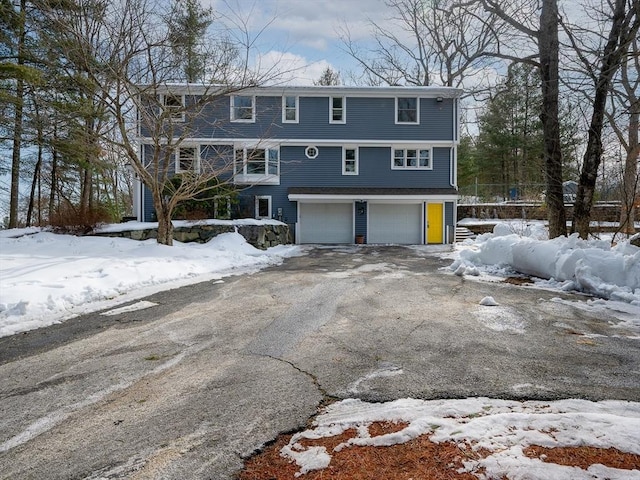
{"x": 462, "y": 233}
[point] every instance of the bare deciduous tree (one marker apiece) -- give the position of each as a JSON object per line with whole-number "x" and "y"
{"x": 130, "y": 74}
{"x": 624, "y": 26}
{"x": 427, "y": 43}
{"x": 545, "y": 35}
{"x": 625, "y": 96}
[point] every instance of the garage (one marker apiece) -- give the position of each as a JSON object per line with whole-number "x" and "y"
{"x": 326, "y": 222}
{"x": 395, "y": 223}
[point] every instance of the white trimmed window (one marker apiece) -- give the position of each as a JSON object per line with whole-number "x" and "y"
{"x": 257, "y": 165}
{"x": 263, "y": 206}
{"x": 289, "y": 109}
{"x": 411, "y": 158}
{"x": 407, "y": 110}
{"x": 174, "y": 105}
{"x": 350, "y": 161}
{"x": 243, "y": 108}
{"x": 188, "y": 159}
{"x": 337, "y": 110}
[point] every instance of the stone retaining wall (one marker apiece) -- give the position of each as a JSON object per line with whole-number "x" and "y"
{"x": 260, "y": 236}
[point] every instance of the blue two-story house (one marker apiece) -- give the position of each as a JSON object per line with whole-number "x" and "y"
{"x": 335, "y": 163}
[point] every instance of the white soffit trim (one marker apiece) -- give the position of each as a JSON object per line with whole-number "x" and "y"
{"x": 429, "y": 91}
{"x": 314, "y": 141}
{"x": 307, "y": 197}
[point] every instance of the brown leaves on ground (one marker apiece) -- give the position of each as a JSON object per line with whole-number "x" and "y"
{"x": 416, "y": 459}
{"x": 584, "y": 457}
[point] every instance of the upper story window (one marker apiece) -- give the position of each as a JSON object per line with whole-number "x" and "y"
{"x": 411, "y": 158}
{"x": 188, "y": 159}
{"x": 243, "y": 108}
{"x": 289, "y": 109}
{"x": 349, "y": 161}
{"x": 257, "y": 165}
{"x": 407, "y": 110}
{"x": 337, "y": 109}
{"x": 174, "y": 105}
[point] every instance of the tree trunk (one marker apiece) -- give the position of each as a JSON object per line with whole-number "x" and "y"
{"x": 612, "y": 57}
{"x": 36, "y": 171}
{"x": 15, "y": 159}
{"x": 630, "y": 179}
{"x": 165, "y": 229}
{"x": 40, "y": 199}
{"x": 17, "y": 126}
{"x": 34, "y": 182}
{"x": 548, "y": 45}
{"x": 54, "y": 178}
{"x": 165, "y": 226}
{"x": 85, "y": 192}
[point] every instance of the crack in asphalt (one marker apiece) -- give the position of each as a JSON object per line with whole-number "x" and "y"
{"x": 327, "y": 397}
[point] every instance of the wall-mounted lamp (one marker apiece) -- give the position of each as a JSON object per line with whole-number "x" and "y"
{"x": 439, "y": 99}
{"x": 361, "y": 211}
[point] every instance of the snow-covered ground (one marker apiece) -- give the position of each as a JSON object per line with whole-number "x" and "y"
{"x": 593, "y": 267}
{"x": 501, "y": 428}
{"x": 47, "y": 278}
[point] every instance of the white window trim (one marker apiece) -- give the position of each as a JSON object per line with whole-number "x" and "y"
{"x": 417, "y": 122}
{"x": 196, "y": 159}
{"x": 344, "y": 160}
{"x": 344, "y": 109}
{"x": 180, "y": 115}
{"x": 257, "y": 202}
{"x": 241, "y": 176}
{"x": 412, "y": 147}
{"x": 232, "y": 109}
{"x": 284, "y": 109}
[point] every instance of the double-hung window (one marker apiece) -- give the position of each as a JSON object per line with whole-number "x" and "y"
{"x": 174, "y": 106}
{"x": 407, "y": 110}
{"x": 243, "y": 108}
{"x": 337, "y": 109}
{"x": 289, "y": 109}
{"x": 188, "y": 159}
{"x": 350, "y": 161}
{"x": 257, "y": 165}
{"x": 411, "y": 158}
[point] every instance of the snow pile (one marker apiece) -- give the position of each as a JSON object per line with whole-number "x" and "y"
{"x": 502, "y": 428}
{"x": 592, "y": 266}
{"x": 46, "y": 278}
{"x": 489, "y": 302}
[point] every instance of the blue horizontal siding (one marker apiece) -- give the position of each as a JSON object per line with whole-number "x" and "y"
{"x": 326, "y": 171}
{"x": 374, "y": 169}
{"x": 366, "y": 119}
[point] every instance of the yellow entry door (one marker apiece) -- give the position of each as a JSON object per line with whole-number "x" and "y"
{"x": 435, "y": 220}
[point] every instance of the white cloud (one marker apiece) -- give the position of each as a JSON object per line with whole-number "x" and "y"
{"x": 295, "y": 25}
{"x": 292, "y": 69}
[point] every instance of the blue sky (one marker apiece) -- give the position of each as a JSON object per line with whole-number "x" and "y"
{"x": 305, "y": 34}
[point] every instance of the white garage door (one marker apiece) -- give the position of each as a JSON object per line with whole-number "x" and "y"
{"x": 326, "y": 222}
{"x": 395, "y": 223}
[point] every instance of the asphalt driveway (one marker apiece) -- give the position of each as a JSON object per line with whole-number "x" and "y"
{"x": 189, "y": 387}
